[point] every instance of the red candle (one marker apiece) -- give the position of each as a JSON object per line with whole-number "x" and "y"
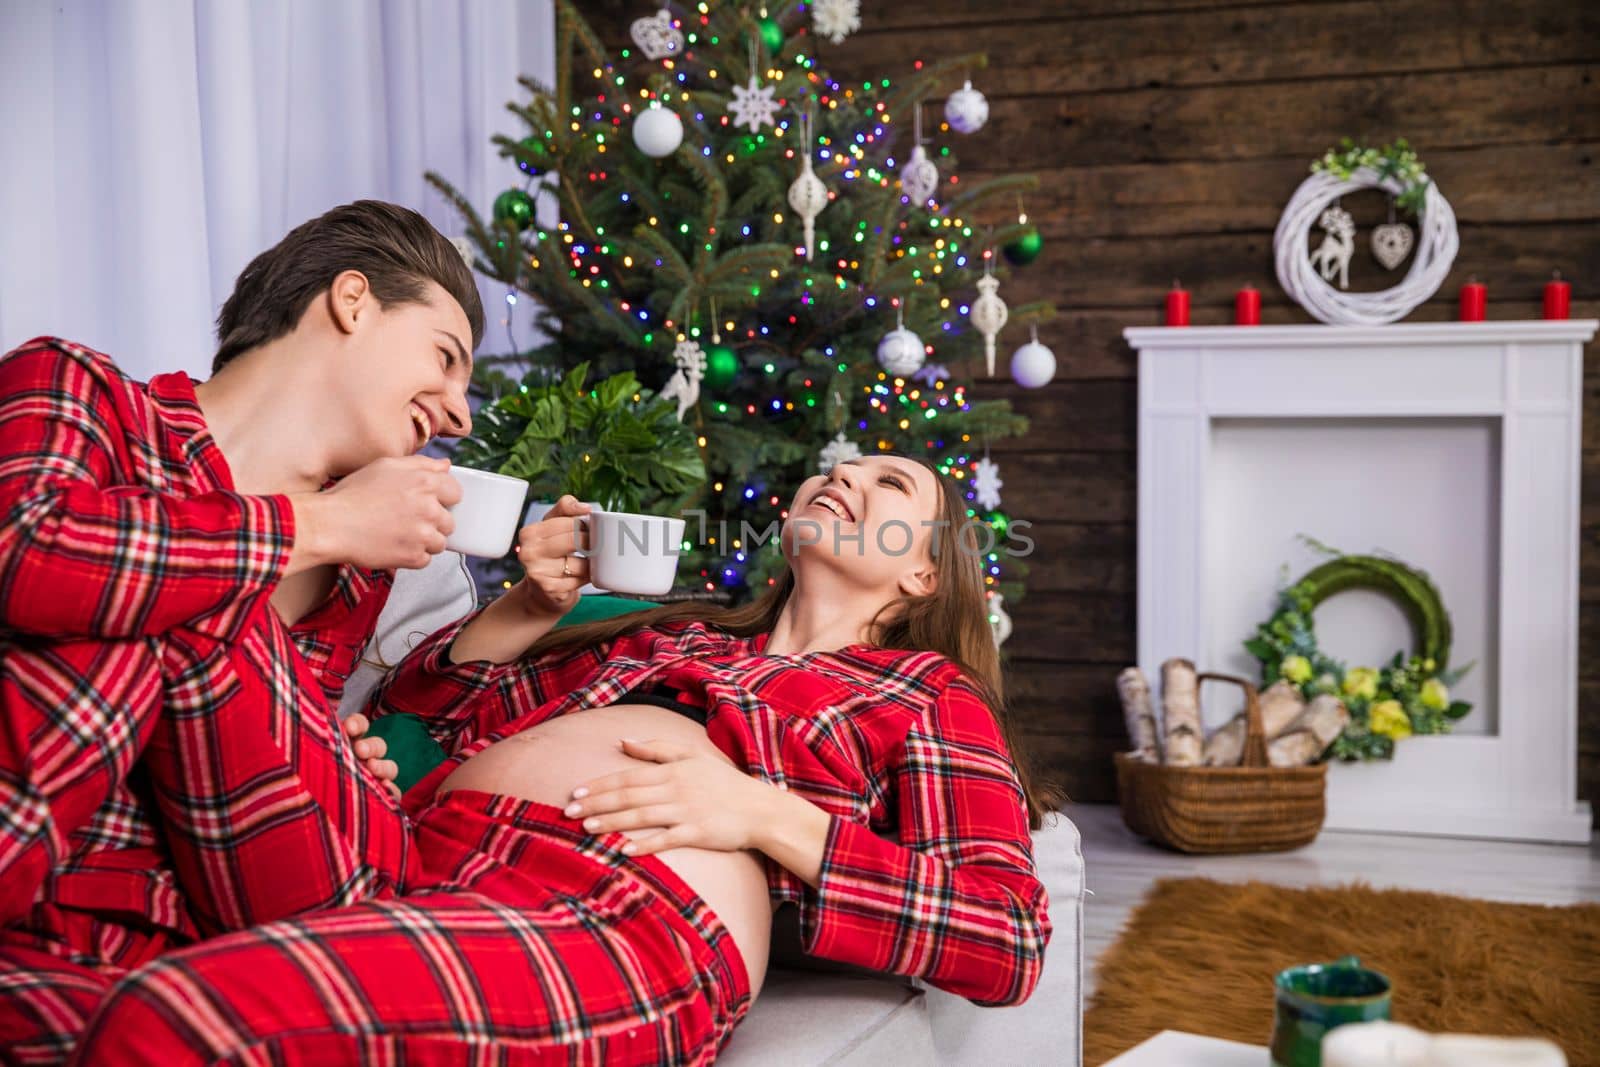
{"x": 1247, "y": 307}
{"x": 1557, "y": 297}
{"x": 1177, "y": 306}
{"x": 1474, "y": 301}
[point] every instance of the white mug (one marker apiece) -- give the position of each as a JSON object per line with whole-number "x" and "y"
{"x": 487, "y": 514}
{"x": 633, "y": 553}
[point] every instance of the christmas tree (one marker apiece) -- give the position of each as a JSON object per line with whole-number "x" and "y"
{"x": 773, "y": 257}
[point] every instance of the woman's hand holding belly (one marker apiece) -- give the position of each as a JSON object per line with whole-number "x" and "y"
{"x": 556, "y": 760}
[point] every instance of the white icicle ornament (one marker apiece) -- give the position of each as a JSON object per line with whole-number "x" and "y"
{"x": 807, "y": 195}
{"x": 988, "y": 314}
{"x": 999, "y": 622}
{"x": 919, "y": 177}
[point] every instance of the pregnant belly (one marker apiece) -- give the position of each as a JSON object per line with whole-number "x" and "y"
{"x": 546, "y": 762}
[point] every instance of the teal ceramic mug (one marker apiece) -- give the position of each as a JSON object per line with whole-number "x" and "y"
{"x": 1317, "y": 997}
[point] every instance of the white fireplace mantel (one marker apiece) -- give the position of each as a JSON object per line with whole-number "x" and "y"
{"x": 1521, "y": 385}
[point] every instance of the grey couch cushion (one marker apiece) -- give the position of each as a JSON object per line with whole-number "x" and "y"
{"x": 808, "y": 1019}
{"x": 1048, "y": 1026}
{"x": 802, "y": 1019}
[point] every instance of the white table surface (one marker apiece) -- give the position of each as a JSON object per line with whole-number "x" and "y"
{"x": 1172, "y": 1048}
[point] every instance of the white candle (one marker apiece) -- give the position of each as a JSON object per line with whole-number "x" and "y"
{"x": 1385, "y": 1044}
{"x": 1375, "y": 1044}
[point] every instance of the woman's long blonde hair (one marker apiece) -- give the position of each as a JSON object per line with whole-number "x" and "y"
{"x": 953, "y": 620}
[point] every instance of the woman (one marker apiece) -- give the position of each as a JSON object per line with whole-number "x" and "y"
{"x": 851, "y": 762}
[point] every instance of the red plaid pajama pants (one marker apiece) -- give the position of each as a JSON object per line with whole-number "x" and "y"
{"x": 526, "y": 940}
{"x": 264, "y": 811}
{"x": 531, "y": 942}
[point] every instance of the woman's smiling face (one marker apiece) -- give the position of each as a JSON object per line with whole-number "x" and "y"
{"x": 874, "y": 517}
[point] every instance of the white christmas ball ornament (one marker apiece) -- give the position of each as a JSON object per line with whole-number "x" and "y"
{"x": 966, "y": 109}
{"x": 658, "y": 131}
{"x": 919, "y": 177}
{"x": 1033, "y": 364}
{"x": 901, "y": 352}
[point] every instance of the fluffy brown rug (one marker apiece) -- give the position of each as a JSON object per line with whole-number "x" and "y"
{"x": 1198, "y": 955}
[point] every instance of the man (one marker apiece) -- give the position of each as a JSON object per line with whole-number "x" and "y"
{"x": 172, "y": 552}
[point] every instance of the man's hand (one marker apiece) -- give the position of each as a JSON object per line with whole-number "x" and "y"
{"x": 392, "y": 513}
{"x": 371, "y": 751}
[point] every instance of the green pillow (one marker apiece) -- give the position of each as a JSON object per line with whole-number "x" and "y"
{"x": 417, "y": 752}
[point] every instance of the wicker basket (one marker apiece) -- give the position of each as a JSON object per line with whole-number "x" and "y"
{"x": 1250, "y": 808}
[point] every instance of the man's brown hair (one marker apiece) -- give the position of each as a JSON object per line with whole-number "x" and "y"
{"x": 397, "y": 249}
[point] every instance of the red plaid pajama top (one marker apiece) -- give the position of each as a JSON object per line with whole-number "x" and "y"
{"x": 119, "y": 523}
{"x": 928, "y": 868}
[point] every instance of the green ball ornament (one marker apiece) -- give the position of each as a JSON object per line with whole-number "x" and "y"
{"x": 536, "y": 147}
{"x": 515, "y": 207}
{"x": 1024, "y": 249}
{"x": 771, "y": 35}
{"x": 722, "y": 366}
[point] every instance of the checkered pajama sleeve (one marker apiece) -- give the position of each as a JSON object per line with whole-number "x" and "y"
{"x": 83, "y": 556}
{"x": 459, "y": 702}
{"x": 955, "y": 901}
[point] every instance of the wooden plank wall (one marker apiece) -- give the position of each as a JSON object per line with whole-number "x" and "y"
{"x": 1167, "y": 138}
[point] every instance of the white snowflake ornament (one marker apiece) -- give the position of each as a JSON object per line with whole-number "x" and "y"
{"x": 465, "y": 246}
{"x": 986, "y": 484}
{"x": 988, "y": 314}
{"x": 753, "y": 105}
{"x": 656, "y": 36}
{"x": 933, "y": 372}
{"x": 835, "y": 19}
{"x": 840, "y": 449}
{"x": 684, "y": 385}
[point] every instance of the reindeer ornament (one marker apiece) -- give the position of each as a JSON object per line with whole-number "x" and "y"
{"x": 1333, "y": 256}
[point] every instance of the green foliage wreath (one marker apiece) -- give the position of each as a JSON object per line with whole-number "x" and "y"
{"x": 1411, "y": 695}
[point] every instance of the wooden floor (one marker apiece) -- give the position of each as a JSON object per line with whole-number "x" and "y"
{"x": 1120, "y": 868}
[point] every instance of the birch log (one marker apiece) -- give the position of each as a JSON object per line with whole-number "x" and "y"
{"x": 1140, "y": 716}
{"x": 1310, "y": 735}
{"x": 1281, "y": 704}
{"x": 1180, "y": 713}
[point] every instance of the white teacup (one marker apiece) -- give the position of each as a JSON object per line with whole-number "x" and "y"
{"x": 487, "y": 514}
{"x": 633, "y": 553}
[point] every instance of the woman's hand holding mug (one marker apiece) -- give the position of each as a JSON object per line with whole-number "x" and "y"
{"x": 552, "y": 574}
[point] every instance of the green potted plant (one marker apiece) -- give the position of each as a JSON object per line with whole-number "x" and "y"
{"x": 613, "y": 443}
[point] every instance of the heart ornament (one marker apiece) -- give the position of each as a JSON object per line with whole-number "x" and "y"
{"x": 1391, "y": 244}
{"x": 656, "y": 37}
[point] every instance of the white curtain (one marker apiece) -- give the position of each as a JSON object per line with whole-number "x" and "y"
{"x": 150, "y": 148}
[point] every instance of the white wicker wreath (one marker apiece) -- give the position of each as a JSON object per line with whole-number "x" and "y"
{"x": 1436, "y": 250}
